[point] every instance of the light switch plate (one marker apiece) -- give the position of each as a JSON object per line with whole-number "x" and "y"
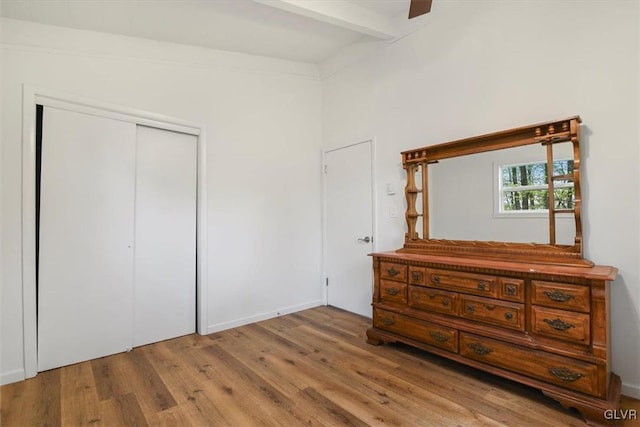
{"x": 391, "y": 188}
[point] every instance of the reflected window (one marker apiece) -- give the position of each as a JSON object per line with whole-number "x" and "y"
{"x": 523, "y": 188}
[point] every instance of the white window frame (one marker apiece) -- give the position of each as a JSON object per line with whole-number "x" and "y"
{"x": 498, "y": 192}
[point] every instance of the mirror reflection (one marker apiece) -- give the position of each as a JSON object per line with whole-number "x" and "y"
{"x": 501, "y": 196}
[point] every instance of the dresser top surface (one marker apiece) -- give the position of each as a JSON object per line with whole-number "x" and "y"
{"x": 596, "y": 272}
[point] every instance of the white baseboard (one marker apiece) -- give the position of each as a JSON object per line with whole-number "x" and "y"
{"x": 11, "y": 376}
{"x": 631, "y": 390}
{"x": 217, "y": 327}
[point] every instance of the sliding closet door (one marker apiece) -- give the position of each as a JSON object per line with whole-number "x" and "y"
{"x": 165, "y": 235}
{"x": 85, "y": 285}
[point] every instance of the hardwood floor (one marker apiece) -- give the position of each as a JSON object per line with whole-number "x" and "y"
{"x": 308, "y": 368}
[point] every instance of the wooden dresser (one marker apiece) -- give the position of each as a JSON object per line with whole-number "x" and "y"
{"x": 534, "y": 313}
{"x": 541, "y": 325}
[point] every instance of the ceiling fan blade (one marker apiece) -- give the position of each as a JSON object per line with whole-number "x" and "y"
{"x": 419, "y": 7}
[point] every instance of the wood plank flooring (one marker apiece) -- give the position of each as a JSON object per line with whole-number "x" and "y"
{"x": 310, "y": 368}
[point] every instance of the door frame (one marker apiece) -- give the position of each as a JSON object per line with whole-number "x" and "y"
{"x": 374, "y": 207}
{"x": 30, "y": 97}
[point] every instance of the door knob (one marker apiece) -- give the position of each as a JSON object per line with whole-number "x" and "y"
{"x": 365, "y": 239}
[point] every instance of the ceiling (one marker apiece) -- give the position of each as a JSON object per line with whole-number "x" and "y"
{"x": 299, "y": 30}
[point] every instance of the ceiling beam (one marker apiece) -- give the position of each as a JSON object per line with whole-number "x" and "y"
{"x": 340, "y": 14}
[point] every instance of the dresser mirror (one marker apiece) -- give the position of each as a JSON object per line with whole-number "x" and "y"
{"x": 490, "y": 195}
{"x": 500, "y": 195}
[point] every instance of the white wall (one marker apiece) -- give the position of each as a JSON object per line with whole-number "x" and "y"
{"x": 263, "y": 160}
{"x": 478, "y": 67}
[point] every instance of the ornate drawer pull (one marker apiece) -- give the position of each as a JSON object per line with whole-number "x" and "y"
{"x": 392, "y": 291}
{"x": 445, "y": 303}
{"x": 482, "y": 286}
{"x": 508, "y": 315}
{"x": 432, "y": 296}
{"x": 558, "y": 324}
{"x": 511, "y": 290}
{"x": 439, "y": 336}
{"x": 393, "y": 272}
{"x": 565, "y": 374}
{"x": 479, "y": 349}
{"x": 416, "y": 275}
{"x": 490, "y": 307}
{"x": 416, "y": 297}
{"x": 388, "y": 321}
{"x": 436, "y": 280}
{"x": 471, "y": 308}
{"x": 558, "y": 296}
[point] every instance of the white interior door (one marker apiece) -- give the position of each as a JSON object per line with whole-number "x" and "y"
{"x": 86, "y": 227}
{"x": 349, "y": 222}
{"x": 165, "y": 235}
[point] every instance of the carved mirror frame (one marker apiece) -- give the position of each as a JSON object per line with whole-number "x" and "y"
{"x": 547, "y": 134}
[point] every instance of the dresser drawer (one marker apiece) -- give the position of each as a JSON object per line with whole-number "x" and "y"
{"x": 393, "y": 291}
{"x": 417, "y": 275}
{"x": 433, "y": 300}
{"x": 393, "y": 271}
{"x": 511, "y": 289}
{"x": 566, "y": 325}
{"x": 563, "y": 371}
{"x": 429, "y": 333}
{"x": 561, "y": 295}
{"x": 464, "y": 282}
{"x": 500, "y": 313}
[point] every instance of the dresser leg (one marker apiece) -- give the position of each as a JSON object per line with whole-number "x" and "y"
{"x": 372, "y": 338}
{"x": 596, "y": 412}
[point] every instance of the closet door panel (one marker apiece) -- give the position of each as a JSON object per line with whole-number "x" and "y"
{"x": 86, "y": 236}
{"x": 165, "y": 235}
